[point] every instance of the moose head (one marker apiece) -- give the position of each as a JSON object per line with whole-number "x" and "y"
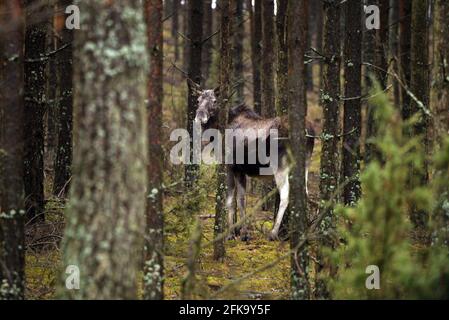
{"x": 207, "y": 110}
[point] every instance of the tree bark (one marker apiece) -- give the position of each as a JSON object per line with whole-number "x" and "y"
{"x": 105, "y": 216}
{"x": 297, "y": 42}
{"x": 329, "y": 154}
{"x": 238, "y": 36}
{"x": 441, "y": 69}
{"x": 225, "y": 68}
{"x": 256, "y": 59}
{"x": 282, "y": 68}
{"x": 268, "y": 92}
{"x": 352, "y": 105}
{"x": 63, "y": 162}
{"x": 12, "y": 237}
{"x": 35, "y": 45}
{"x": 380, "y": 73}
{"x": 208, "y": 45}
{"x": 194, "y": 74}
{"x": 405, "y": 36}
{"x": 420, "y": 86}
{"x": 175, "y": 28}
{"x": 154, "y": 235}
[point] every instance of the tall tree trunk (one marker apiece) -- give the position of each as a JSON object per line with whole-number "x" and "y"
{"x": 225, "y": 68}
{"x": 35, "y": 36}
{"x": 63, "y": 162}
{"x": 268, "y": 92}
{"x": 394, "y": 46}
{"x": 441, "y": 68}
{"x": 350, "y": 164}
{"x": 238, "y": 36}
{"x": 194, "y": 74}
{"x": 420, "y": 86}
{"x": 282, "y": 68}
{"x": 51, "y": 115}
{"x": 319, "y": 40}
{"x": 329, "y": 154}
{"x": 12, "y": 237}
{"x": 105, "y": 226}
{"x": 185, "y": 30}
{"x": 175, "y": 27}
{"x": 405, "y": 37}
{"x": 380, "y": 72}
{"x": 208, "y": 45}
{"x": 256, "y": 51}
{"x": 154, "y": 235}
{"x": 297, "y": 41}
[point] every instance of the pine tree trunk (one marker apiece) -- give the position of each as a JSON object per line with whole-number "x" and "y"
{"x": 420, "y": 86}
{"x": 35, "y": 79}
{"x": 175, "y": 28}
{"x": 297, "y": 41}
{"x": 405, "y": 36}
{"x": 394, "y": 46}
{"x": 105, "y": 217}
{"x": 154, "y": 236}
{"x": 441, "y": 68}
{"x": 380, "y": 72}
{"x": 63, "y": 162}
{"x": 352, "y": 105}
{"x": 256, "y": 51}
{"x": 225, "y": 68}
{"x": 51, "y": 115}
{"x": 268, "y": 92}
{"x": 208, "y": 45}
{"x": 282, "y": 68}
{"x": 194, "y": 74}
{"x": 12, "y": 237}
{"x": 238, "y": 36}
{"x": 329, "y": 154}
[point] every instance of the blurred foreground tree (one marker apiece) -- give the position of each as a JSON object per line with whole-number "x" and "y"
{"x": 105, "y": 215}
{"x": 12, "y": 237}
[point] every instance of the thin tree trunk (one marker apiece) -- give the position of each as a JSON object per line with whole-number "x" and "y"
{"x": 105, "y": 225}
{"x": 282, "y": 68}
{"x": 256, "y": 58}
{"x": 12, "y": 237}
{"x": 175, "y": 28}
{"x": 238, "y": 36}
{"x": 268, "y": 91}
{"x": 51, "y": 115}
{"x": 63, "y": 162}
{"x": 35, "y": 36}
{"x": 329, "y": 154}
{"x": 208, "y": 45}
{"x": 441, "y": 69}
{"x": 405, "y": 14}
{"x": 297, "y": 41}
{"x": 352, "y": 106}
{"x": 420, "y": 86}
{"x": 380, "y": 72}
{"x": 154, "y": 235}
{"x": 225, "y": 68}
{"x": 194, "y": 74}
{"x": 394, "y": 46}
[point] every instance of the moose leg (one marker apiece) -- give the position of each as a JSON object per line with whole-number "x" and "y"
{"x": 241, "y": 192}
{"x": 230, "y": 196}
{"x": 281, "y": 178}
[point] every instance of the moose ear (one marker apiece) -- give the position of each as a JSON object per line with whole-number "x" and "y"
{"x": 217, "y": 91}
{"x": 194, "y": 86}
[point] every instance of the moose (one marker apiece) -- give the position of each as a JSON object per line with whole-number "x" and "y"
{"x": 243, "y": 117}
